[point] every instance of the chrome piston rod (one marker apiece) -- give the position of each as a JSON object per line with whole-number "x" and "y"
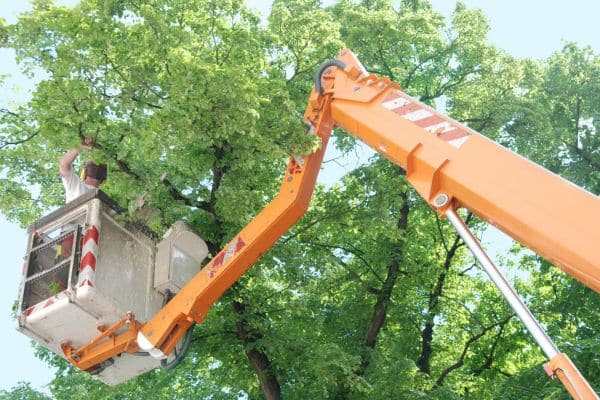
{"x": 515, "y": 302}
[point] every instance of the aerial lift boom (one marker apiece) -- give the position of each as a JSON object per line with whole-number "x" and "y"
{"x": 448, "y": 164}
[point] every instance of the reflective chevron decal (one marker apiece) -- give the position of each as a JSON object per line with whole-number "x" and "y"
{"x": 414, "y": 111}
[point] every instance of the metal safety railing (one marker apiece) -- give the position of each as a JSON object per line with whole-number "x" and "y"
{"x": 51, "y": 264}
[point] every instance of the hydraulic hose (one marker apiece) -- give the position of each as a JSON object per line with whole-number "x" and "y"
{"x": 321, "y": 70}
{"x": 167, "y": 364}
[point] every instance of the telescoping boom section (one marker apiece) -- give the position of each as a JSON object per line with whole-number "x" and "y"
{"x": 448, "y": 164}
{"x": 539, "y": 209}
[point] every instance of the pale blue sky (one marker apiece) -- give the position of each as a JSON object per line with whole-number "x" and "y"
{"x": 533, "y": 28}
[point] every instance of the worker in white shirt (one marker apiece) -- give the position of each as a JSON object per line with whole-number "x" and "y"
{"x": 93, "y": 174}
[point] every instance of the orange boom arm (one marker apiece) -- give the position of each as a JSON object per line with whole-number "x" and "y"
{"x": 449, "y": 165}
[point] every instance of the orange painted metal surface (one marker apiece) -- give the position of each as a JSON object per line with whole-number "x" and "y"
{"x": 562, "y": 367}
{"x": 119, "y": 338}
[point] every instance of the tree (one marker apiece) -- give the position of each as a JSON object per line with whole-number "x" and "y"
{"x": 178, "y": 89}
{"x": 22, "y": 391}
{"x": 560, "y": 100}
{"x": 196, "y": 107}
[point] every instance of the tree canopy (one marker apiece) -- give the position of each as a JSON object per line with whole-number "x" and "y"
{"x": 196, "y": 106}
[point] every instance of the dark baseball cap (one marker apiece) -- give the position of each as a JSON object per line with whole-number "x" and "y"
{"x": 96, "y": 171}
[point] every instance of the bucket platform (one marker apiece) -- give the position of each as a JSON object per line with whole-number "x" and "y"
{"x": 83, "y": 271}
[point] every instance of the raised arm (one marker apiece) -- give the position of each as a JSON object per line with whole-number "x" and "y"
{"x": 66, "y": 162}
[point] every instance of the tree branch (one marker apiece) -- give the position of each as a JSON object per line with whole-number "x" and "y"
{"x": 326, "y": 216}
{"x": 461, "y": 360}
{"x": 381, "y": 306}
{"x": 357, "y": 278}
{"x": 177, "y": 195}
{"x": 583, "y": 154}
{"x": 489, "y": 357}
{"x": 16, "y": 142}
{"x": 353, "y": 252}
{"x": 6, "y": 111}
{"x": 259, "y": 360}
{"x": 424, "y": 361}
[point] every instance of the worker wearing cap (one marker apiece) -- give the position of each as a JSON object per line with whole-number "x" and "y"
{"x": 93, "y": 175}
